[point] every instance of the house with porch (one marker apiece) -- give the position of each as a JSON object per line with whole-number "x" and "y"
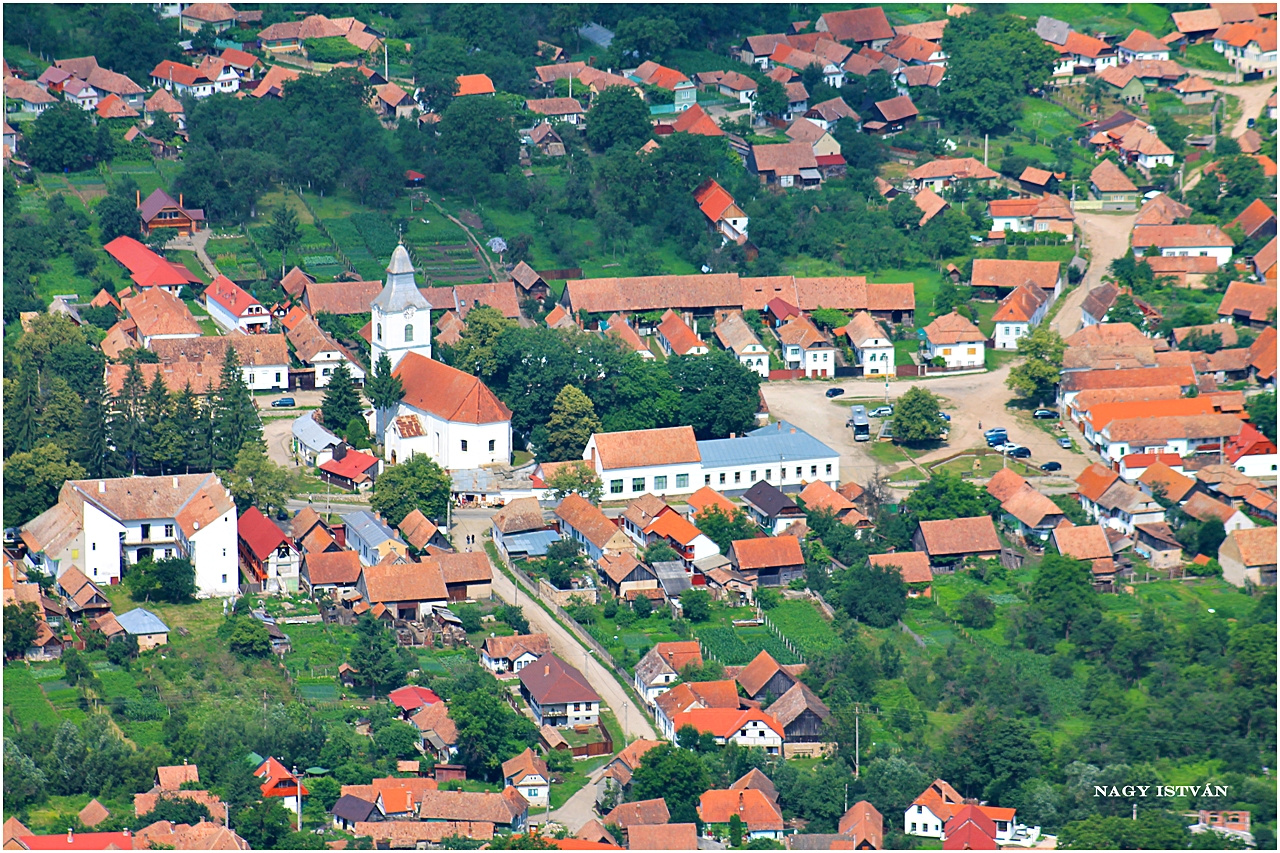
{"x": 513, "y": 653}
{"x": 558, "y": 694}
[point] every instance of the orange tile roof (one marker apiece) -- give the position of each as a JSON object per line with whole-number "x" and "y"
{"x": 1086, "y": 542}
{"x": 958, "y": 536}
{"x": 1256, "y": 302}
{"x": 704, "y": 694}
{"x": 1146, "y": 428}
{"x": 391, "y": 581}
{"x": 675, "y": 527}
{"x": 952, "y": 329}
{"x": 643, "y": 448}
{"x": 642, "y": 812}
{"x": 678, "y": 335}
{"x": 752, "y": 806}
{"x": 912, "y": 565}
{"x": 1179, "y": 236}
{"x": 579, "y": 513}
{"x": 669, "y": 836}
{"x": 724, "y": 722}
{"x": 1020, "y": 305}
{"x": 447, "y": 392}
{"x": 959, "y": 168}
{"x": 767, "y": 552}
{"x": 1108, "y": 178}
{"x": 1262, "y": 353}
{"x": 706, "y": 498}
{"x": 713, "y": 199}
{"x": 1105, "y": 413}
{"x": 1257, "y": 545}
{"x": 696, "y": 121}
{"x": 1175, "y": 485}
{"x": 474, "y": 84}
{"x": 1202, "y": 508}
{"x": 994, "y": 272}
{"x": 818, "y": 495}
{"x": 1138, "y": 377}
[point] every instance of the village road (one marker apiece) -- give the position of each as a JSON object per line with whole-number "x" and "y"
{"x": 1106, "y": 235}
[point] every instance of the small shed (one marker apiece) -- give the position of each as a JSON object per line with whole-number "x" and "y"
{"x": 146, "y": 626}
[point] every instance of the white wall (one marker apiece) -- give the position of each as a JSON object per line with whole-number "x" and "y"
{"x": 392, "y": 338}
{"x": 101, "y": 554}
{"x": 964, "y": 354}
{"x": 651, "y": 476}
{"x": 266, "y": 377}
{"x": 1262, "y": 465}
{"x": 926, "y": 822}
{"x": 876, "y": 358}
{"x": 743, "y": 477}
{"x": 216, "y": 558}
{"x": 443, "y": 441}
{"x": 1007, "y": 334}
{"x": 251, "y": 323}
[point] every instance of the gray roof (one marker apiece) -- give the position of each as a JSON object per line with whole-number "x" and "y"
{"x": 487, "y": 481}
{"x": 1052, "y": 30}
{"x": 365, "y": 526}
{"x": 534, "y": 543}
{"x": 141, "y": 621}
{"x": 714, "y": 561}
{"x": 352, "y": 808}
{"x": 769, "y": 499}
{"x": 313, "y": 436}
{"x": 780, "y": 442}
{"x": 401, "y": 291}
{"x": 672, "y": 577}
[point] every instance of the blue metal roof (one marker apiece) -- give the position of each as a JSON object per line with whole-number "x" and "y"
{"x": 534, "y": 543}
{"x": 364, "y": 526}
{"x": 142, "y": 621}
{"x": 780, "y": 442}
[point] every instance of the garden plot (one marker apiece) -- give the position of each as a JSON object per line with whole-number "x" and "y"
{"x": 739, "y": 646}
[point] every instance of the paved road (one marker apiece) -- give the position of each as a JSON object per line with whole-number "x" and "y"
{"x": 476, "y": 522}
{"x": 1107, "y": 237}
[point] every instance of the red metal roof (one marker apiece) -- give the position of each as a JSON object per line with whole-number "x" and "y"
{"x": 231, "y": 296}
{"x": 78, "y": 841}
{"x": 411, "y": 698}
{"x": 260, "y": 533}
{"x": 146, "y": 267}
{"x": 350, "y": 467}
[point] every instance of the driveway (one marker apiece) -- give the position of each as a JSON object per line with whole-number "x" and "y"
{"x": 975, "y": 402}
{"x": 477, "y": 522}
{"x": 1107, "y": 237}
{"x": 1253, "y": 99}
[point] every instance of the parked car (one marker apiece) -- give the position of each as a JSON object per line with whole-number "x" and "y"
{"x": 997, "y": 441}
{"x": 944, "y": 416}
{"x": 283, "y": 403}
{"x": 1051, "y": 466}
{"x": 995, "y": 431}
{"x": 834, "y": 392}
{"x": 1018, "y": 452}
{"x": 1064, "y": 443}
{"x": 1044, "y": 414}
{"x": 882, "y": 412}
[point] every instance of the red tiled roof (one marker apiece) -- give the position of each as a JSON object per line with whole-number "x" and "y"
{"x": 230, "y": 295}
{"x": 550, "y": 680}
{"x": 755, "y": 809}
{"x": 696, "y": 121}
{"x": 994, "y": 272}
{"x": 1256, "y": 302}
{"x": 412, "y": 698}
{"x": 353, "y": 466}
{"x": 260, "y": 533}
{"x": 767, "y": 552}
{"x": 642, "y": 448}
{"x": 959, "y": 536}
{"x": 860, "y": 25}
{"x": 912, "y": 565}
{"x": 447, "y": 392}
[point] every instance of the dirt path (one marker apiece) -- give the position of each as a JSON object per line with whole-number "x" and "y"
{"x": 475, "y": 241}
{"x": 1253, "y": 100}
{"x": 1107, "y": 237}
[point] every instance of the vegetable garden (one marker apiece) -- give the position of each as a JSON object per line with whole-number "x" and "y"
{"x": 738, "y": 646}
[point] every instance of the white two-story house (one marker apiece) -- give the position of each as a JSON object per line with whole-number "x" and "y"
{"x": 872, "y": 347}
{"x": 736, "y": 336}
{"x": 806, "y": 349}
{"x": 558, "y": 694}
{"x": 232, "y": 307}
{"x": 1019, "y": 313}
{"x": 956, "y": 341}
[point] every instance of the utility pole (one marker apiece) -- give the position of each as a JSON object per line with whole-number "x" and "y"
{"x": 857, "y": 745}
{"x": 986, "y": 147}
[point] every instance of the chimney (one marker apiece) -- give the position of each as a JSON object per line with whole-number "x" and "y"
{"x": 546, "y": 671}
{"x": 793, "y": 430}
{"x": 70, "y": 836}
{"x": 179, "y": 199}
{"x": 742, "y": 801}
{"x": 127, "y": 833}
{"x": 102, "y": 487}
{"x": 184, "y": 761}
{"x": 733, "y": 435}
{"x": 138, "y": 194}
{"x": 195, "y": 525}
{"x": 175, "y": 485}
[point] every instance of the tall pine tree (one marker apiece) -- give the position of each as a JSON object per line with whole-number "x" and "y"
{"x": 184, "y": 437}
{"x": 93, "y": 440}
{"x": 23, "y": 423}
{"x": 341, "y": 400}
{"x": 235, "y": 419}
{"x": 127, "y": 426}
{"x": 384, "y": 391}
{"x": 156, "y": 409}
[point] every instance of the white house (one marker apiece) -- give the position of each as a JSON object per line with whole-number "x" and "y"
{"x": 267, "y": 555}
{"x": 1019, "y": 313}
{"x": 807, "y": 349}
{"x": 558, "y": 694}
{"x": 928, "y": 813}
{"x": 1184, "y": 241}
{"x": 736, "y": 336}
{"x": 449, "y": 415}
{"x": 514, "y": 653}
{"x": 528, "y": 774}
{"x": 213, "y": 76}
{"x": 1180, "y": 434}
{"x": 737, "y": 85}
{"x": 316, "y": 349}
{"x": 1141, "y": 45}
{"x": 660, "y": 667}
{"x": 79, "y": 92}
{"x": 749, "y": 728}
{"x": 956, "y": 341}
{"x": 98, "y": 526}
{"x": 312, "y": 444}
{"x": 723, "y": 213}
{"x": 669, "y": 461}
{"x": 872, "y": 347}
{"x": 231, "y": 307}
{"x": 401, "y": 314}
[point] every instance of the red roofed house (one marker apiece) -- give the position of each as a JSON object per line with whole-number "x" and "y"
{"x": 1252, "y": 305}
{"x": 72, "y": 841}
{"x": 953, "y": 540}
{"x": 1183, "y": 241}
{"x": 1248, "y": 557}
{"x": 351, "y": 469}
{"x": 970, "y": 829}
{"x": 760, "y": 815}
{"x": 449, "y": 415}
{"x": 412, "y": 699}
{"x": 231, "y": 307}
{"x": 719, "y": 207}
{"x": 1251, "y": 452}
{"x": 213, "y": 75}
{"x": 558, "y": 694}
{"x": 159, "y": 210}
{"x": 696, "y": 121}
{"x": 746, "y": 728}
{"x": 676, "y": 338}
{"x": 864, "y": 27}
{"x": 146, "y": 268}
{"x": 277, "y": 781}
{"x": 267, "y": 556}
{"x": 1141, "y": 45}
{"x": 1019, "y": 313}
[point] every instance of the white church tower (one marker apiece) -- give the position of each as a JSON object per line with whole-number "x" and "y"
{"x": 401, "y": 314}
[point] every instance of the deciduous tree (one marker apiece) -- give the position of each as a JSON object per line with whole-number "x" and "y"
{"x": 676, "y": 775}
{"x": 916, "y": 417}
{"x": 617, "y": 117}
{"x": 579, "y": 479}
{"x": 32, "y": 481}
{"x": 573, "y": 422}
{"x": 418, "y": 483}
{"x": 257, "y": 481}
{"x": 1036, "y": 377}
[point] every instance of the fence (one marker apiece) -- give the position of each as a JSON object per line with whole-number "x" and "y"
{"x": 777, "y": 632}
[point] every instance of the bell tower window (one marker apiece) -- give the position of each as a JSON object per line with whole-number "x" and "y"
{"x": 408, "y": 331}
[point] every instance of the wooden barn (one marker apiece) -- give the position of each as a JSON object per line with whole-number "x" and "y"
{"x": 802, "y": 714}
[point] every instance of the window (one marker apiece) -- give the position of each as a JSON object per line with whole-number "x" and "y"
{"x": 659, "y": 482}
{"x": 813, "y": 470}
{"x": 722, "y": 478}
{"x": 464, "y": 445}
{"x": 326, "y": 371}
{"x": 682, "y": 481}
{"x": 799, "y": 471}
{"x": 919, "y": 810}
{"x": 828, "y": 467}
{"x": 93, "y": 546}
{"x": 637, "y": 484}
{"x": 379, "y": 335}
{"x": 250, "y": 378}
{"x": 913, "y": 827}
{"x": 277, "y": 377}
{"x": 146, "y": 532}
{"x": 768, "y": 473}
{"x": 753, "y": 476}
{"x": 972, "y": 351}
{"x": 408, "y": 332}
{"x": 493, "y": 445}
{"x": 224, "y": 578}
{"x": 168, "y": 531}
{"x": 737, "y": 477}
{"x": 168, "y": 553}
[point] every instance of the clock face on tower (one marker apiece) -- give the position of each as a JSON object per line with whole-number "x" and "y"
{"x": 408, "y": 313}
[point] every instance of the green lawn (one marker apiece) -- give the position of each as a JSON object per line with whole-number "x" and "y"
{"x": 1204, "y": 56}
{"x": 927, "y": 281}
{"x": 23, "y": 698}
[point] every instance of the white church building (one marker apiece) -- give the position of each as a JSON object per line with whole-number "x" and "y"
{"x": 401, "y": 314}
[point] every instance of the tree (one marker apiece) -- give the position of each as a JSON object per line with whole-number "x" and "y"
{"x": 374, "y": 655}
{"x": 178, "y": 810}
{"x": 1210, "y": 536}
{"x": 488, "y": 730}
{"x": 1153, "y": 830}
{"x": 469, "y": 616}
{"x": 875, "y": 595}
{"x": 676, "y": 775}
{"x": 639, "y": 38}
{"x": 262, "y": 824}
{"x": 24, "y": 782}
{"x": 418, "y": 483}
{"x": 341, "y": 400}
{"x": 477, "y": 140}
{"x": 660, "y": 551}
{"x": 696, "y": 605}
{"x": 771, "y": 97}
{"x": 76, "y": 669}
{"x": 1125, "y": 310}
{"x": 436, "y": 68}
{"x": 1036, "y": 377}
{"x": 283, "y": 233}
{"x": 717, "y": 393}
{"x": 969, "y": 95}
{"x": 1262, "y": 412}
{"x": 175, "y": 580}
{"x": 249, "y": 638}
{"x": 991, "y": 754}
{"x": 122, "y": 650}
{"x": 976, "y": 611}
{"x": 513, "y": 615}
{"x": 32, "y": 481}
{"x": 944, "y": 495}
{"x": 21, "y": 622}
{"x": 384, "y": 391}
{"x": 726, "y": 528}
{"x": 255, "y": 480}
{"x": 573, "y": 422}
{"x": 916, "y": 417}
{"x": 578, "y": 478}
{"x": 235, "y": 418}
{"x": 117, "y": 217}
{"x": 1063, "y": 592}
{"x": 564, "y": 559}
{"x": 617, "y": 117}
{"x": 735, "y": 831}
{"x": 63, "y": 139}
{"x": 398, "y": 740}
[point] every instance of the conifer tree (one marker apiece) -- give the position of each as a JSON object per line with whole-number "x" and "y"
{"x": 341, "y": 400}
{"x": 235, "y": 419}
{"x": 93, "y": 439}
{"x": 185, "y": 432}
{"x": 383, "y": 390}
{"x": 23, "y": 419}
{"x": 156, "y": 408}
{"x": 127, "y": 427}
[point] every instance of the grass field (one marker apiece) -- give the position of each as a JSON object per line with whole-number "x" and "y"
{"x": 1204, "y": 56}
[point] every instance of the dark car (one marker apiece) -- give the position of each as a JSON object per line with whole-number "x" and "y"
{"x": 1051, "y": 466}
{"x": 1044, "y": 414}
{"x": 283, "y": 403}
{"x": 834, "y": 392}
{"x": 1020, "y": 453}
{"x": 997, "y": 439}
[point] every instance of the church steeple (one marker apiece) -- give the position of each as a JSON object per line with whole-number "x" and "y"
{"x": 397, "y": 326}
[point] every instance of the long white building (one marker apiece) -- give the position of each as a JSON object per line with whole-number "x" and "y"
{"x": 671, "y": 461}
